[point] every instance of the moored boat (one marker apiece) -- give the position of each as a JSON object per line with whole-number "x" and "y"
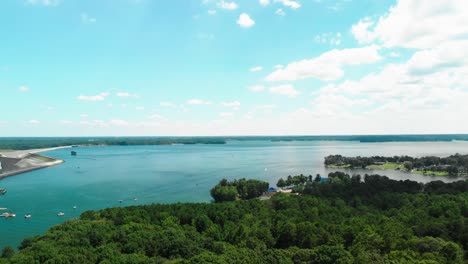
{"x": 3, "y": 191}
{"x": 27, "y": 216}
{"x": 61, "y": 214}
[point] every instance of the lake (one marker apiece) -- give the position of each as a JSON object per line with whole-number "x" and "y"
{"x": 101, "y": 176}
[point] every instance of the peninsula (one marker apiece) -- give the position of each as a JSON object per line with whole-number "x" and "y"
{"x": 21, "y": 161}
{"x": 454, "y": 165}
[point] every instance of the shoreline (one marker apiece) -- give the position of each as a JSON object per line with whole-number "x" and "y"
{"x": 22, "y": 161}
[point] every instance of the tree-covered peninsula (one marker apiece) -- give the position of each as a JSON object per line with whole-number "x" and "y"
{"x": 454, "y": 165}
{"x": 344, "y": 220}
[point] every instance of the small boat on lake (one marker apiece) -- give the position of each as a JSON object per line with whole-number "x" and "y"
{"x": 3, "y": 191}
{"x": 27, "y": 216}
{"x": 61, "y": 214}
{"x": 7, "y": 215}
{"x": 74, "y": 153}
{"x": 74, "y": 207}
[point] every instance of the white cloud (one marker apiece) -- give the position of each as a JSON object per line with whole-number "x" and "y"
{"x": 280, "y": 12}
{"x": 211, "y": 12}
{"x": 361, "y": 31}
{"x": 264, "y": 2}
{"x": 140, "y": 108}
{"x": 265, "y": 107}
{"x": 227, "y": 5}
{"x": 226, "y": 114}
{"x": 231, "y": 104}
{"x": 333, "y": 39}
{"x": 43, "y": 2}
{"x": 205, "y": 36}
{"x": 125, "y": 94}
{"x": 119, "y": 122}
{"x": 394, "y": 54}
{"x": 156, "y": 116}
{"x": 93, "y": 98}
{"x": 34, "y": 122}
{"x": 84, "y": 115}
{"x": 257, "y": 88}
{"x": 86, "y": 19}
{"x": 167, "y": 104}
{"x": 417, "y": 24}
{"x": 23, "y": 89}
{"x": 286, "y": 89}
{"x": 289, "y": 3}
{"x": 245, "y": 21}
{"x": 327, "y": 66}
{"x": 278, "y": 66}
{"x": 198, "y": 102}
{"x": 256, "y": 69}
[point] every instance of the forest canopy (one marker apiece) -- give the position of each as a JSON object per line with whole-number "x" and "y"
{"x": 348, "y": 219}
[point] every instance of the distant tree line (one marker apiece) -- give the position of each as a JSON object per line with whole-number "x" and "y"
{"x": 33, "y": 143}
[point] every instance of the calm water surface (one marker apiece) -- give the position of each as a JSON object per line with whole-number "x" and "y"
{"x": 100, "y": 176}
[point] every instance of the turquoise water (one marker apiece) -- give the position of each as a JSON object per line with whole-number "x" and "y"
{"x": 101, "y": 176}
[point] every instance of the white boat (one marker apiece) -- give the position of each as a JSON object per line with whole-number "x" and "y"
{"x": 135, "y": 199}
{"x": 61, "y": 214}
{"x": 27, "y": 216}
{"x": 6, "y": 215}
{"x": 74, "y": 207}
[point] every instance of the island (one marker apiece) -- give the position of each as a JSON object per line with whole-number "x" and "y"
{"x": 454, "y": 165}
{"x": 346, "y": 219}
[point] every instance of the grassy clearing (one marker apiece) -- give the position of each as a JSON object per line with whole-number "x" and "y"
{"x": 431, "y": 173}
{"x": 42, "y": 158}
{"x": 387, "y": 166}
{"x": 339, "y": 166}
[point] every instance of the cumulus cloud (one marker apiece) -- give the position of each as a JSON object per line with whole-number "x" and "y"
{"x": 286, "y": 89}
{"x": 23, "y": 89}
{"x": 93, "y": 98}
{"x": 125, "y": 94}
{"x": 231, "y": 104}
{"x": 226, "y": 114}
{"x": 119, "y": 122}
{"x": 256, "y": 69}
{"x": 34, "y": 122}
{"x": 264, "y": 2}
{"x": 327, "y": 66}
{"x": 198, "y": 102}
{"x": 280, "y": 12}
{"x": 167, "y": 104}
{"x": 211, "y": 12}
{"x": 330, "y": 38}
{"x": 245, "y": 21}
{"x": 257, "y": 88}
{"x": 227, "y": 5}
{"x": 289, "y": 3}
{"x": 86, "y": 19}
{"x": 43, "y": 2}
{"x": 416, "y": 24}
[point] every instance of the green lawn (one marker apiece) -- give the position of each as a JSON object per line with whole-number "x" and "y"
{"x": 339, "y": 166}
{"x": 433, "y": 173}
{"x": 42, "y": 158}
{"x": 387, "y": 166}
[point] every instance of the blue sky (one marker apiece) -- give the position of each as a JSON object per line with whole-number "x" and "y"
{"x": 241, "y": 67}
